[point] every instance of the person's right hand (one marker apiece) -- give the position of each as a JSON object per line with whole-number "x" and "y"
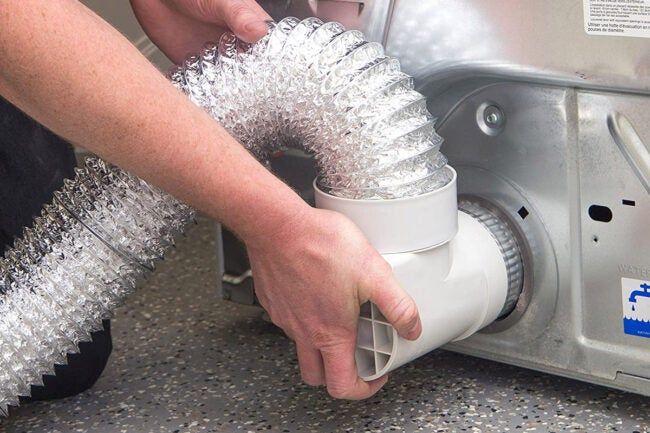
{"x": 313, "y": 272}
{"x": 311, "y": 276}
{"x": 181, "y": 27}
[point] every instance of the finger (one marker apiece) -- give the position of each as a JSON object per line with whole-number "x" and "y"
{"x": 245, "y": 18}
{"x": 176, "y": 34}
{"x": 396, "y": 305}
{"x": 311, "y": 365}
{"x": 341, "y": 373}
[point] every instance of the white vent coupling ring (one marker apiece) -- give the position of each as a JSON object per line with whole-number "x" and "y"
{"x": 403, "y": 224}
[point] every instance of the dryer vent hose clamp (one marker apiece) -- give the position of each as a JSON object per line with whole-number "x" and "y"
{"x": 306, "y": 84}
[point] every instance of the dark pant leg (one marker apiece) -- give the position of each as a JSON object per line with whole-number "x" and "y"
{"x": 33, "y": 164}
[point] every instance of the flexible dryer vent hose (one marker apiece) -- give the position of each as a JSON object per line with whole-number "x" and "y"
{"x": 322, "y": 89}
{"x": 305, "y": 84}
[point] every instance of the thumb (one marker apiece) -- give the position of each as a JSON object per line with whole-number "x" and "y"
{"x": 382, "y": 288}
{"x": 245, "y": 18}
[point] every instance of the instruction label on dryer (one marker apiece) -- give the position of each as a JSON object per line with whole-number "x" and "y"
{"x": 636, "y": 307}
{"x": 617, "y": 17}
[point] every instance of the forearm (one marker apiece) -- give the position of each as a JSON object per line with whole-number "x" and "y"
{"x": 75, "y": 74}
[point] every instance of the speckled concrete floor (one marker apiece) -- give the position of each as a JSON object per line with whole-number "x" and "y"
{"x": 184, "y": 361}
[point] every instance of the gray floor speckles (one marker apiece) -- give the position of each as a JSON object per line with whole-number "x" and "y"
{"x": 184, "y": 361}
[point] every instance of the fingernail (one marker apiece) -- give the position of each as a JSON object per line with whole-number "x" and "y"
{"x": 415, "y": 332}
{"x": 256, "y": 29}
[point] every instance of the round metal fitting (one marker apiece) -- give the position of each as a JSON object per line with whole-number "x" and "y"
{"x": 490, "y": 118}
{"x": 493, "y": 116}
{"x": 507, "y": 241}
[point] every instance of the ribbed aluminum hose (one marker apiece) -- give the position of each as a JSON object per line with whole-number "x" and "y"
{"x": 306, "y": 84}
{"x": 82, "y": 256}
{"x": 328, "y": 91}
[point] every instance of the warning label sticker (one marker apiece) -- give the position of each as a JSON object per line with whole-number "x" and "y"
{"x": 636, "y": 307}
{"x": 617, "y": 17}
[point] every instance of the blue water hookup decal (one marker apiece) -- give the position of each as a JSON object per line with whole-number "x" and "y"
{"x": 636, "y": 307}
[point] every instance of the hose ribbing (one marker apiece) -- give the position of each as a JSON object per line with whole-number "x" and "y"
{"x": 82, "y": 256}
{"x": 504, "y": 235}
{"x": 326, "y": 90}
{"x": 306, "y": 84}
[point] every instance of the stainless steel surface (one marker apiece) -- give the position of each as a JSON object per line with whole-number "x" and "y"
{"x": 544, "y": 121}
{"x": 620, "y": 248}
{"x": 526, "y": 40}
{"x": 631, "y": 146}
{"x": 557, "y": 151}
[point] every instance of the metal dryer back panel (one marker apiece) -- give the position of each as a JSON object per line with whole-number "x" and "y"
{"x": 545, "y": 114}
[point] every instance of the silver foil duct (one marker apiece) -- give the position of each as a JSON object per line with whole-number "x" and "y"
{"x": 306, "y": 84}
{"x": 315, "y": 86}
{"x": 82, "y": 256}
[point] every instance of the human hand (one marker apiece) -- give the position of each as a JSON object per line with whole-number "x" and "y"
{"x": 311, "y": 276}
{"x": 181, "y": 27}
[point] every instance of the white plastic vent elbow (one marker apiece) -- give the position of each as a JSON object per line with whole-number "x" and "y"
{"x": 450, "y": 263}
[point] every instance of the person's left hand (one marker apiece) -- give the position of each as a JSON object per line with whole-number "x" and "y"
{"x": 181, "y": 27}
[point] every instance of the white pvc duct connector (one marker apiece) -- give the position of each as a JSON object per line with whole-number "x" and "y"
{"x": 452, "y": 265}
